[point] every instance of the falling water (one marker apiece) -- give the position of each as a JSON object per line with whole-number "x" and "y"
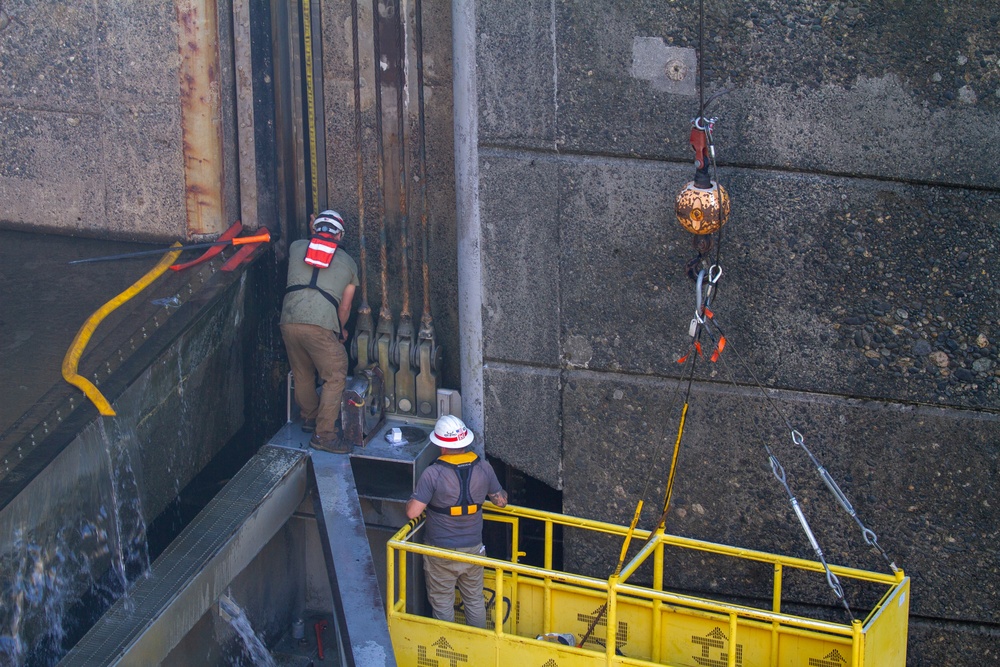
{"x": 252, "y": 648}
{"x": 53, "y": 588}
{"x": 131, "y": 549}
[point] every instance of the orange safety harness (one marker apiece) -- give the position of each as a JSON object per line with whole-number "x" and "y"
{"x": 462, "y": 464}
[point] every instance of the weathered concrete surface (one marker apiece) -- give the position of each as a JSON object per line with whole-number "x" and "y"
{"x": 45, "y": 302}
{"x": 78, "y": 490}
{"x": 858, "y": 141}
{"x": 933, "y": 514}
{"x": 338, "y": 95}
{"x": 268, "y": 601}
{"x": 90, "y": 116}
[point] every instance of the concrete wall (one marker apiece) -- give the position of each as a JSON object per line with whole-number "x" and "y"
{"x": 76, "y": 531}
{"x": 382, "y": 197}
{"x": 93, "y": 118}
{"x": 859, "y": 142}
{"x": 271, "y": 602}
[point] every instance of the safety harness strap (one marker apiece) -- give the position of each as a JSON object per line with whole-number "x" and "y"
{"x": 462, "y": 464}
{"x": 312, "y": 285}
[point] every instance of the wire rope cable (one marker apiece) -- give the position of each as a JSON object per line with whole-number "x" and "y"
{"x": 426, "y": 319}
{"x": 364, "y": 309}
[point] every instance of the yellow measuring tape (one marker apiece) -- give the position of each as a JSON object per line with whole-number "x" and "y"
{"x": 71, "y": 361}
{"x": 310, "y": 102}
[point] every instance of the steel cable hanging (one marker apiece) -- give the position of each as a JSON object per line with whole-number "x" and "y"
{"x": 779, "y": 473}
{"x": 364, "y": 310}
{"x": 695, "y": 334}
{"x": 405, "y": 324}
{"x": 426, "y": 320}
{"x": 385, "y": 324}
{"x": 869, "y": 535}
{"x": 661, "y": 522}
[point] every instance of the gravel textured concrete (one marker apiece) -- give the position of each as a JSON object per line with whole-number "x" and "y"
{"x": 859, "y": 144}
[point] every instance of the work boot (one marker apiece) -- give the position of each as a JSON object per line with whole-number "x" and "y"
{"x": 308, "y": 425}
{"x": 335, "y": 445}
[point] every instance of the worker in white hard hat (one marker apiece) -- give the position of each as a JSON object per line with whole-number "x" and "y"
{"x": 453, "y": 490}
{"x": 322, "y": 278}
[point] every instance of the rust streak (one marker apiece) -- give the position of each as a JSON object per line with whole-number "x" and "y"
{"x": 201, "y": 126}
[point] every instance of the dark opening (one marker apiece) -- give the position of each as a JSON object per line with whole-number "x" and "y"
{"x": 525, "y": 490}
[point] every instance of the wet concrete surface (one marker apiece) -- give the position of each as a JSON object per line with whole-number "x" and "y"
{"x": 45, "y": 302}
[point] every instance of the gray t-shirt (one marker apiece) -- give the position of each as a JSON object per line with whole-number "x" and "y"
{"x": 439, "y": 486}
{"x": 308, "y": 306}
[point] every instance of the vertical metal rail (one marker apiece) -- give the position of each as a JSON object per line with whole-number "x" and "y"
{"x": 386, "y": 328}
{"x": 404, "y": 217}
{"x": 361, "y": 345}
{"x": 289, "y": 148}
{"x": 243, "y": 57}
{"x": 426, "y": 320}
{"x": 427, "y": 356}
{"x": 198, "y": 49}
{"x": 310, "y": 104}
{"x": 404, "y": 342}
{"x": 470, "y": 265}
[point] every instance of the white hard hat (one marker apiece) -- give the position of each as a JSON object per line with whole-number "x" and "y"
{"x": 328, "y": 221}
{"x": 450, "y": 432}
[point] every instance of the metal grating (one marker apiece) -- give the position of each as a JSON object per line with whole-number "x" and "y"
{"x": 209, "y": 539}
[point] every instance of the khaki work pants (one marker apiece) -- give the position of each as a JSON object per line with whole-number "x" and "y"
{"x": 443, "y": 575}
{"x": 311, "y": 350}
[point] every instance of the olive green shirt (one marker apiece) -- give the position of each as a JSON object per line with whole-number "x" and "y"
{"x": 308, "y": 306}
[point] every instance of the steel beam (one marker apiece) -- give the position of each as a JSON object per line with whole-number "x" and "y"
{"x": 353, "y": 580}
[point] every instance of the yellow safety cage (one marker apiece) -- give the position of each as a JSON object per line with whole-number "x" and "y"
{"x": 530, "y": 608}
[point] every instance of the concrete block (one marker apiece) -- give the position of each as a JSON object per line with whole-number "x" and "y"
{"x": 521, "y": 255}
{"x": 146, "y": 193}
{"x": 522, "y": 420}
{"x": 860, "y": 288}
{"x": 47, "y": 56}
{"x": 50, "y": 177}
{"x": 898, "y": 466}
{"x": 516, "y": 73}
{"x": 806, "y": 89}
{"x": 137, "y": 55}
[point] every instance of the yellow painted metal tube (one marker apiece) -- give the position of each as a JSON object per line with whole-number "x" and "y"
{"x": 731, "y": 658}
{"x": 611, "y": 637}
{"x": 71, "y": 362}
{"x": 390, "y": 578}
{"x": 693, "y": 605}
{"x": 628, "y": 537}
{"x": 857, "y": 648}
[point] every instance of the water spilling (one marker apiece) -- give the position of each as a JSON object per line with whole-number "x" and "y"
{"x": 251, "y": 646}
{"x": 55, "y": 587}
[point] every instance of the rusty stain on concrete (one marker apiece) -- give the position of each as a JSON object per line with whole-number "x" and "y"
{"x": 201, "y": 118}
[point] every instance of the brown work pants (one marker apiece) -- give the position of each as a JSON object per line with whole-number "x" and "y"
{"x": 441, "y": 576}
{"x": 312, "y": 349}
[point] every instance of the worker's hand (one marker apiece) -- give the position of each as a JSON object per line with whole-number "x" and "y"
{"x": 499, "y": 499}
{"x": 343, "y": 335}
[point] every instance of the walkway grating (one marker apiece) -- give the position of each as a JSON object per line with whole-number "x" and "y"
{"x": 196, "y": 568}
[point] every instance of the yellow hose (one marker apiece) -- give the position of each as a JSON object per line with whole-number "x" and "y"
{"x": 71, "y": 361}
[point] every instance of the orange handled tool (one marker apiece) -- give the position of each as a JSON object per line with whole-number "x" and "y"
{"x": 263, "y": 236}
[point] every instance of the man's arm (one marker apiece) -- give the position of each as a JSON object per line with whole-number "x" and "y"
{"x": 344, "y": 311}
{"x": 415, "y": 508}
{"x": 499, "y": 498}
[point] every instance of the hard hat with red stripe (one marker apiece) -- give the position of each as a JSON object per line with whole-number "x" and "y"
{"x": 450, "y": 432}
{"x": 328, "y": 221}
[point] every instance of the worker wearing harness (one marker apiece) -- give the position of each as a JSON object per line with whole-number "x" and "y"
{"x": 453, "y": 489}
{"x": 317, "y": 305}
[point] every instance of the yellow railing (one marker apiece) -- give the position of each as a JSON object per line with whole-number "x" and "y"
{"x": 656, "y": 626}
